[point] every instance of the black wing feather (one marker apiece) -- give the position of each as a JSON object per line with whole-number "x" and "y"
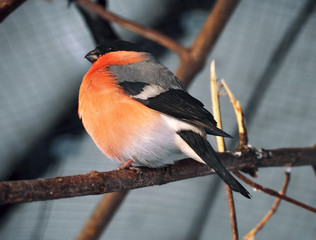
{"x": 133, "y": 88}
{"x": 205, "y": 151}
{"x": 179, "y": 104}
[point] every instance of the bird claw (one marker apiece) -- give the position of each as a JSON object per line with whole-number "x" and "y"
{"x": 137, "y": 170}
{"x": 128, "y": 166}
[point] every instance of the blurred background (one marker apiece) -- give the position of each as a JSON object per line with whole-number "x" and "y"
{"x": 267, "y": 55}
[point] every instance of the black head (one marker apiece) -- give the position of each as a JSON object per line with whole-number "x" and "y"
{"x": 111, "y": 46}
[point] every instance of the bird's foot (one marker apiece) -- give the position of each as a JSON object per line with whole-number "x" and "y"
{"x": 128, "y": 166}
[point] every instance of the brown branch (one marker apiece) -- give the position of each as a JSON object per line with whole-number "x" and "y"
{"x": 113, "y": 181}
{"x": 206, "y": 39}
{"x": 275, "y": 205}
{"x": 222, "y": 148}
{"x": 8, "y": 6}
{"x": 102, "y": 216}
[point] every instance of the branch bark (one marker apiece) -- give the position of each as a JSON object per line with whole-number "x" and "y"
{"x": 120, "y": 180}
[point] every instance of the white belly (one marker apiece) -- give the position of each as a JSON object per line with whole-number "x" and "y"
{"x": 162, "y": 146}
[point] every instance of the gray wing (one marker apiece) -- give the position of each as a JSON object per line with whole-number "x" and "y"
{"x": 149, "y": 71}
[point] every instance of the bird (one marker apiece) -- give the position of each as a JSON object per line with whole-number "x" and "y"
{"x": 138, "y": 112}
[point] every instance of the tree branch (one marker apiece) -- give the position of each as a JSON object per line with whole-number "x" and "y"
{"x": 104, "y": 182}
{"x": 214, "y": 25}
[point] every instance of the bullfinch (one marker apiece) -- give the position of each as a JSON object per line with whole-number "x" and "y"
{"x": 137, "y": 111}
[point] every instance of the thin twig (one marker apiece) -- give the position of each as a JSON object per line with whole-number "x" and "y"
{"x": 274, "y": 193}
{"x": 242, "y": 129}
{"x": 222, "y": 148}
{"x": 243, "y": 137}
{"x": 265, "y": 219}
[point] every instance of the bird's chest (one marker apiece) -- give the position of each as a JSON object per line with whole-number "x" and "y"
{"x": 115, "y": 121}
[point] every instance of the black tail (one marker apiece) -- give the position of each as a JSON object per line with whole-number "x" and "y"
{"x": 205, "y": 151}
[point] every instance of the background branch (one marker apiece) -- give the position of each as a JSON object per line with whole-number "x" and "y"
{"x": 206, "y": 39}
{"x": 101, "y": 216}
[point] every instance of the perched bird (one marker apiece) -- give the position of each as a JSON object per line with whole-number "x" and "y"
{"x": 136, "y": 110}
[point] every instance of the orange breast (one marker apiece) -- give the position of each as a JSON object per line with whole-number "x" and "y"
{"x": 113, "y": 119}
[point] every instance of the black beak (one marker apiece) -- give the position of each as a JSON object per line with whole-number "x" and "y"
{"x": 93, "y": 56}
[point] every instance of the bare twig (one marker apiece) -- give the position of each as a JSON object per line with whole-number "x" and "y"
{"x": 275, "y": 205}
{"x": 242, "y": 129}
{"x": 274, "y": 193}
{"x": 222, "y": 148}
{"x": 243, "y": 137}
{"x": 102, "y": 216}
